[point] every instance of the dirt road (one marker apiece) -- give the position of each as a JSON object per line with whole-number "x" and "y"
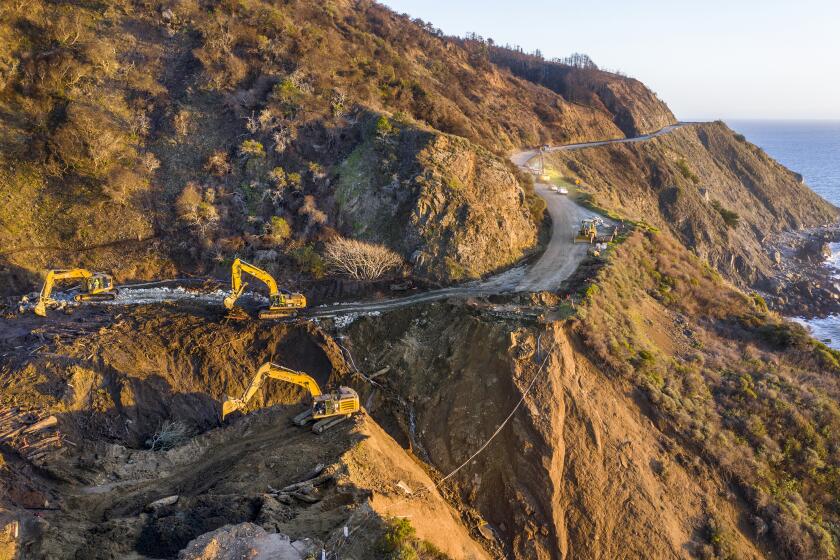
{"x": 562, "y": 256}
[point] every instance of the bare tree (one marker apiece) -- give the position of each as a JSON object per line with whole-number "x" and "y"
{"x": 360, "y": 260}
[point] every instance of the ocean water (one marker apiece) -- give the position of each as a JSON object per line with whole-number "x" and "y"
{"x": 811, "y": 148}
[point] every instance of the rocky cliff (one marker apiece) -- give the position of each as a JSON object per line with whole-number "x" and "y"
{"x": 451, "y": 208}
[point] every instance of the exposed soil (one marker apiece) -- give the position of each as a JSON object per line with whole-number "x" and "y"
{"x": 112, "y": 378}
{"x": 579, "y": 470}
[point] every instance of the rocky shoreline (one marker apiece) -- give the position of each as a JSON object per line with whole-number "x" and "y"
{"x": 803, "y": 285}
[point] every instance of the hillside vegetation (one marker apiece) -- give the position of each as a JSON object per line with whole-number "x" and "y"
{"x": 148, "y": 137}
{"x": 744, "y": 390}
{"x": 633, "y": 107}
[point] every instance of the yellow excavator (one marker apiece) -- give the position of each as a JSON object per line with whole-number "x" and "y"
{"x": 587, "y": 232}
{"x": 96, "y": 286}
{"x": 283, "y": 303}
{"x": 328, "y": 409}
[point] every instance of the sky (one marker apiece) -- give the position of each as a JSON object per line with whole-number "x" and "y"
{"x": 708, "y": 59}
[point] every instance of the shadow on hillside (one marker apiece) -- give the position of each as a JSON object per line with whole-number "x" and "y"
{"x": 15, "y": 280}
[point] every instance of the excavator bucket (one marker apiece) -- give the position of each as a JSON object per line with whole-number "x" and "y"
{"x": 230, "y": 406}
{"x": 231, "y": 298}
{"x": 40, "y": 309}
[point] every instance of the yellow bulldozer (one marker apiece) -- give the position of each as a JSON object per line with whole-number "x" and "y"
{"x": 282, "y": 303}
{"x": 327, "y": 409}
{"x": 96, "y": 286}
{"x": 587, "y": 232}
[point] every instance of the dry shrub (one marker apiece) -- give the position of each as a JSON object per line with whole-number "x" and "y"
{"x": 90, "y": 140}
{"x": 218, "y": 163}
{"x": 171, "y": 434}
{"x": 310, "y": 210}
{"x": 181, "y": 122}
{"x": 360, "y": 260}
{"x": 122, "y": 183}
{"x": 195, "y": 207}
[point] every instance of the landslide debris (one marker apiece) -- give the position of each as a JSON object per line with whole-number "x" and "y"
{"x": 673, "y": 416}
{"x": 112, "y": 381}
{"x": 580, "y": 471}
{"x": 246, "y": 540}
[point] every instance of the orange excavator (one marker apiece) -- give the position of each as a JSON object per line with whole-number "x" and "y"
{"x": 282, "y": 303}
{"x": 96, "y": 286}
{"x": 327, "y": 409}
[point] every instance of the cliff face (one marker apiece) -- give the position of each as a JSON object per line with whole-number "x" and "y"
{"x": 561, "y": 476}
{"x": 718, "y": 194}
{"x": 452, "y": 209}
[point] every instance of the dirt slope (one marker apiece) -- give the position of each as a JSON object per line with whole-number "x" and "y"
{"x": 579, "y": 472}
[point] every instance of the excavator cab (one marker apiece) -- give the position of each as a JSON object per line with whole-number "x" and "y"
{"x": 285, "y": 302}
{"x": 343, "y": 400}
{"x": 97, "y": 284}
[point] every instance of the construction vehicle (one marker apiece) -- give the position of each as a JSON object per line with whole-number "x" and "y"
{"x": 327, "y": 409}
{"x": 283, "y": 303}
{"x": 587, "y": 232}
{"x": 96, "y": 286}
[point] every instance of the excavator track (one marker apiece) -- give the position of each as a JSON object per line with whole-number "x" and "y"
{"x": 321, "y": 426}
{"x": 110, "y": 296}
{"x": 327, "y": 423}
{"x": 268, "y": 314}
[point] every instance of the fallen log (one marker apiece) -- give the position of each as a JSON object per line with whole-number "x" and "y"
{"x": 317, "y": 481}
{"x": 48, "y": 422}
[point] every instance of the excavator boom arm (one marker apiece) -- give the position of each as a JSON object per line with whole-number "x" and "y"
{"x": 273, "y": 371}
{"x": 236, "y": 286}
{"x": 54, "y": 276}
{"x": 257, "y": 273}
